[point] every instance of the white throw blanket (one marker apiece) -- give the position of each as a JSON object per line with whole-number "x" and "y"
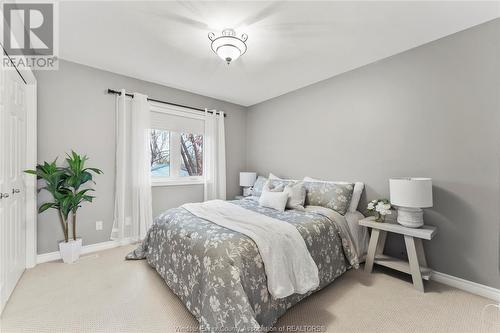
{"x": 288, "y": 264}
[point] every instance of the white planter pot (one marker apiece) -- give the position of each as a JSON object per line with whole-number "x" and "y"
{"x": 70, "y": 251}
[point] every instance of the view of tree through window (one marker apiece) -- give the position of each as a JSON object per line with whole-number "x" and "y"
{"x": 192, "y": 154}
{"x": 185, "y": 149}
{"x": 160, "y": 153}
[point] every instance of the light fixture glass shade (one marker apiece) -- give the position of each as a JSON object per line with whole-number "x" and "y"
{"x": 247, "y": 179}
{"x": 228, "y": 47}
{"x": 228, "y": 53}
{"x": 411, "y": 192}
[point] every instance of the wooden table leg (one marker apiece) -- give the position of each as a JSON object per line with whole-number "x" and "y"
{"x": 414, "y": 264}
{"x": 373, "y": 248}
{"x": 420, "y": 252}
{"x": 381, "y": 243}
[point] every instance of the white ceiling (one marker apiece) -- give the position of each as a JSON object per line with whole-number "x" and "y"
{"x": 290, "y": 44}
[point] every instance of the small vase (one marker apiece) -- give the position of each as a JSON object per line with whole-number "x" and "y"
{"x": 380, "y": 218}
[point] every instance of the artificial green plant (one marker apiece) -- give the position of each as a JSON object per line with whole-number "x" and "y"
{"x": 68, "y": 186}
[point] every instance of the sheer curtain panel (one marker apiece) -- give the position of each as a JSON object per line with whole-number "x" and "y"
{"x": 215, "y": 156}
{"x": 133, "y": 205}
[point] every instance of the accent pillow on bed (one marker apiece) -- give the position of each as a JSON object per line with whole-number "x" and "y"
{"x": 274, "y": 177}
{"x": 336, "y": 196}
{"x": 356, "y": 194}
{"x": 258, "y": 185}
{"x": 296, "y": 195}
{"x": 276, "y": 182}
{"x": 295, "y": 190}
{"x": 279, "y": 183}
{"x": 274, "y": 200}
{"x": 273, "y": 186}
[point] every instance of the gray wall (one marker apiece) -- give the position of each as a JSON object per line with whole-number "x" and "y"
{"x": 432, "y": 111}
{"x": 74, "y": 112}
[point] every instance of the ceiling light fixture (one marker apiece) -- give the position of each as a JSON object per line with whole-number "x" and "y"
{"x": 227, "y": 46}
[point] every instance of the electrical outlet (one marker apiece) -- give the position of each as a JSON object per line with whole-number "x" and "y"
{"x": 98, "y": 225}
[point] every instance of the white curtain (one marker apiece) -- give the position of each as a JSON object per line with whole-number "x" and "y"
{"x": 214, "y": 156}
{"x": 133, "y": 208}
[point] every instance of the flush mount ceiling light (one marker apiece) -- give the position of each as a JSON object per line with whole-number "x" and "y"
{"x": 227, "y": 46}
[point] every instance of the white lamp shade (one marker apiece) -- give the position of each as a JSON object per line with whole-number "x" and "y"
{"x": 229, "y": 47}
{"x": 411, "y": 192}
{"x": 247, "y": 178}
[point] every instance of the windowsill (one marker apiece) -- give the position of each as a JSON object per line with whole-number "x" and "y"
{"x": 177, "y": 182}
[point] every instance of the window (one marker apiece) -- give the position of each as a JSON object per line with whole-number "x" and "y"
{"x": 192, "y": 154}
{"x": 160, "y": 153}
{"x": 176, "y": 145}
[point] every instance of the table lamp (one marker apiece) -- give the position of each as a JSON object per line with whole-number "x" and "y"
{"x": 410, "y": 195}
{"x": 247, "y": 179}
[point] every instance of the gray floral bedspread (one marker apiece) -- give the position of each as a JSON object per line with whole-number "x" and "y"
{"x": 218, "y": 273}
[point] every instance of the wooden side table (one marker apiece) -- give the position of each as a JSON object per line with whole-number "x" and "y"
{"x": 416, "y": 265}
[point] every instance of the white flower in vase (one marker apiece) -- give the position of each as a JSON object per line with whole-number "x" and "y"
{"x": 381, "y": 207}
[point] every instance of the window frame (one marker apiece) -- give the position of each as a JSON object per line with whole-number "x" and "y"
{"x": 175, "y": 147}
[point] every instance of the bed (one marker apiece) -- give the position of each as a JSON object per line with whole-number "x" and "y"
{"x": 219, "y": 274}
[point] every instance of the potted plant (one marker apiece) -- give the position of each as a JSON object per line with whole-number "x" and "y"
{"x": 65, "y": 186}
{"x": 381, "y": 207}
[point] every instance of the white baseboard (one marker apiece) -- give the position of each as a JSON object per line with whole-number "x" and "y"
{"x": 469, "y": 286}
{"x": 86, "y": 249}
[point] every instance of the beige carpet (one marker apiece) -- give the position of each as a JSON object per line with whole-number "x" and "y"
{"x": 104, "y": 293}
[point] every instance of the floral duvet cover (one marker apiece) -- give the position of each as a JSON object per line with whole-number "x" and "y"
{"x": 219, "y": 274}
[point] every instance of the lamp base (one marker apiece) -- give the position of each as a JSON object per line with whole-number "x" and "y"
{"x": 411, "y": 217}
{"x": 247, "y": 191}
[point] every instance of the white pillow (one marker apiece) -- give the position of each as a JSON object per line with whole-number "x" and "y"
{"x": 272, "y": 176}
{"x": 274, "y": 200}
{"x": 258, "y": 186}
{"x": 356, "y": 193}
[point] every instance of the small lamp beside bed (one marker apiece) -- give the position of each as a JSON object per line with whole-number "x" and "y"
{"x": 410, "y": 195}
{"x": 247, "y": 179}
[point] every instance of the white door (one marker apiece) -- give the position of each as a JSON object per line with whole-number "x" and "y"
{"x": 12, "y": 191}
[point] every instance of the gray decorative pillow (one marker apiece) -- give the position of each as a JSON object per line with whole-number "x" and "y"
{"x": 258, "y": 185}
{"x": 271, "y": 186}
{"x": 296, "y": 195}
{"x": 279, "y": 183}
{"x": 330, "y": 195}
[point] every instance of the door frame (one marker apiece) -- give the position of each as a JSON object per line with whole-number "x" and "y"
{"x": 30, "y": 181}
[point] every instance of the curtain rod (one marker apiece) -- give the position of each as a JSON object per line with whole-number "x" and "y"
{"x": 116, "y": 92}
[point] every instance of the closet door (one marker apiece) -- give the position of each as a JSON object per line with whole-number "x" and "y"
{"x": 12, "y": 190}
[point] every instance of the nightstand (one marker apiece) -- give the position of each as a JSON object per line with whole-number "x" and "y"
{"x": 417, "y": 265}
